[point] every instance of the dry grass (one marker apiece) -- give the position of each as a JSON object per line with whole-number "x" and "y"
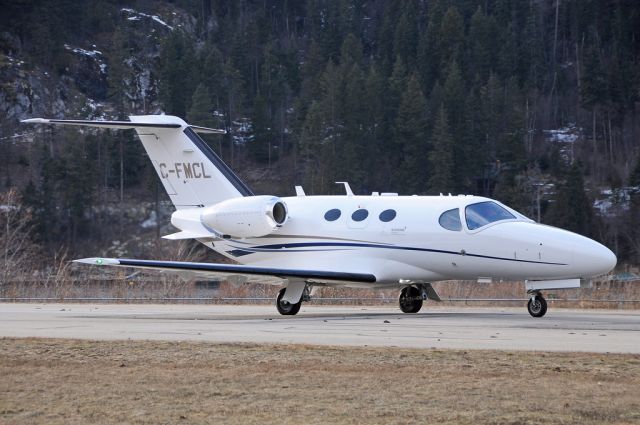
{"x": 78, "y": 382}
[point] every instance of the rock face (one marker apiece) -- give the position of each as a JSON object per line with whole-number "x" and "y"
{"x": 103, "y": 75}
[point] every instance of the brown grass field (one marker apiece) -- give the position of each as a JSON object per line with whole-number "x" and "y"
{"x": 51, "y": 381}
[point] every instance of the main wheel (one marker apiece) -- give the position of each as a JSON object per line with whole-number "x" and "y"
{"x": 537, "y": 306}
{"x": 286, "y": 308}
{"x": 410, "y": 300}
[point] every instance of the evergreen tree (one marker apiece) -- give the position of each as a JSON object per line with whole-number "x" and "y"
{"x": 176, "y": 68}
{"x": 451, "y": 36}
{"x": 313, "y": 150}
{"x": 441, "y": 157}
{"x": 350, "y": 161}
{"x": 411, "y": 125}
{"x": 593, "y": 84}
{"x": 454, "y": 97}
{"x": 483, "y": 39}
{"x": 406, "y": 34}
{"x": 572, "y": 209}
{"x": 634, "y": 177}
{"x": 376, "y": 154}
{"x": 260, "y": 145}
{"x": 201, "y": 110}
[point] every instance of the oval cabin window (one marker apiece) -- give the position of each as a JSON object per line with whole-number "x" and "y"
{"x": 360, "y": 215}
{"x": 387, "y": 215}
{"x": 332, "y": 215}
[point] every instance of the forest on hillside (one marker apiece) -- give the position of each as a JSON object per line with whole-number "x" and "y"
{"x": 532, "y": 102}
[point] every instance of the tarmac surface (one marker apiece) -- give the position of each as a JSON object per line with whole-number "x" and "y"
{"x": 615, "y": 331}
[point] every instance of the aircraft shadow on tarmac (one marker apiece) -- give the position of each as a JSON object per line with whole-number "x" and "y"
{"x": 427, "y": 315}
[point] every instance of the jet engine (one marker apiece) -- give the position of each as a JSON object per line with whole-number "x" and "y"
{"x": 248, "y": 217}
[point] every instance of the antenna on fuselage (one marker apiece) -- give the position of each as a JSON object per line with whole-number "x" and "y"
{"x": 347, "y": 188}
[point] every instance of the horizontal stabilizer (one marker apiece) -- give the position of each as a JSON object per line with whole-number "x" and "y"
{"x": 236, "y": 272}
{"x": 121, "y": 125}
{"x": 185, "y": 234}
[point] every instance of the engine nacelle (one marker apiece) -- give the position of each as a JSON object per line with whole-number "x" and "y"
{"x": 248, "y": 217}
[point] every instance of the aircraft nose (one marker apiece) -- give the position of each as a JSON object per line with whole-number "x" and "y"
{"x": 594, "y": 258}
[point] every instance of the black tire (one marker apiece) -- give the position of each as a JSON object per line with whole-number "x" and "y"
{"x": 410, "y": 300}
{"x": 537, "y": 306}
{"x": 285, "y": 308}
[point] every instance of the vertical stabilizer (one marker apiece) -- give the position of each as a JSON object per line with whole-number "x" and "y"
{"x": 192, "y": 173}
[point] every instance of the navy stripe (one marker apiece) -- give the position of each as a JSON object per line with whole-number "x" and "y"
{"x": 251, "y": 270}
{"x": 239, "y": 252}
{"x": 218, "y": 163}
{"x": 278, "y": 247}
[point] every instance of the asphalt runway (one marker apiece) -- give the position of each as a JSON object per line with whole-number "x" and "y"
{"x": 603, "y": 331}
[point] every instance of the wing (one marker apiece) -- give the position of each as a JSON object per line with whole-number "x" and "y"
{"x": 234, "y": 272}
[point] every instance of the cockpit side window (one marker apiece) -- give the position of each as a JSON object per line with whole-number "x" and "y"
{"x": 450, "y": 220}
{"x": 483, "y": 213}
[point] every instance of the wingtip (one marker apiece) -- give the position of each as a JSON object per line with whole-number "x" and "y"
{"x": 35, "y": 121}
{"x": 97, "y": 261}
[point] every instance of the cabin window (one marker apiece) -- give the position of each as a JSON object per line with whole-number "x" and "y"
{"x": 332, "y": 215}
{"x": 360, "y": 215}
{"x": 483, "y": 213}
{"x": 387, "y": 215}
{"x": 450, "y": 220}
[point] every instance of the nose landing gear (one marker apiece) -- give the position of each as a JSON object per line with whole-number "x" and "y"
{"x": 537, "y": 305}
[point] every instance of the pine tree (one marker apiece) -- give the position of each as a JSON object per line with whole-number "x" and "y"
{"x": 375, "y": 150}
{"x": 411, "y": 125}
{"x": 441, "y": 159}
{"x": 350, "y": 161}
{"x": 201, "y": 110}
{"x": 313, "y": 151}
{"x": 406, "y": 35}
{"x": 572, "y": 209}
{"x": 176, "y": 69}
{"x": 454, "y": 97}
{"x": 451, "y": 36}
{"x": 483, "y": 39}
{"x": 634, "y": 177}
{"x": 260, "y": 145}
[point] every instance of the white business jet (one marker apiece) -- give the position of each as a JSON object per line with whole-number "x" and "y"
{"x": 377, "y": 241}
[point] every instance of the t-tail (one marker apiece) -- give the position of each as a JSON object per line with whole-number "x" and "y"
{"x": 192, "y": 173}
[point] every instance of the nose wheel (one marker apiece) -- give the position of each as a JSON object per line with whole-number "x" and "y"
{"x": 537, "y": 305}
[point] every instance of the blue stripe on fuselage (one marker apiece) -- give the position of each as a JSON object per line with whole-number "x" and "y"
{"x": 284, "y": 247}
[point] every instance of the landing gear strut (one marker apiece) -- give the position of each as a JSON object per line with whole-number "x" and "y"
{"x": 286, "y": 308}
{"x": 537, "y": 305}
{"x": 410, "y": 299}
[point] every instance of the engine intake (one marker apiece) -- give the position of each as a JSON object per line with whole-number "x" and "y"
{"x": 248, "y": 217}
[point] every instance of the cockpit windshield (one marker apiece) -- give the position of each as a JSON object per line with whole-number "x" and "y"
{"x": 483, "y": 213}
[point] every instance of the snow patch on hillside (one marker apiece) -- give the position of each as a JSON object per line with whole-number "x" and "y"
{"x": 565, "y": 137}
{"x": 137, "y": 16}
{"x": 94, "y": 54}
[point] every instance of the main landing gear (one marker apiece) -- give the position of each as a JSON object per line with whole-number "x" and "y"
{"x": 410, "y": 299}
{"x": 285, "y": 307}
{"x": 537, "y": 305}
{"x": 299, "y": 291}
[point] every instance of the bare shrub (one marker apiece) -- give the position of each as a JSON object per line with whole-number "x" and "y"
{"x": 19, "y": 255}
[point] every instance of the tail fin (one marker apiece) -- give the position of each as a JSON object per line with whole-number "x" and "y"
{"x": 191, "y": 172}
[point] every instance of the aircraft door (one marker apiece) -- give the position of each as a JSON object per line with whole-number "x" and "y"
{"x": 453, "y": 239}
